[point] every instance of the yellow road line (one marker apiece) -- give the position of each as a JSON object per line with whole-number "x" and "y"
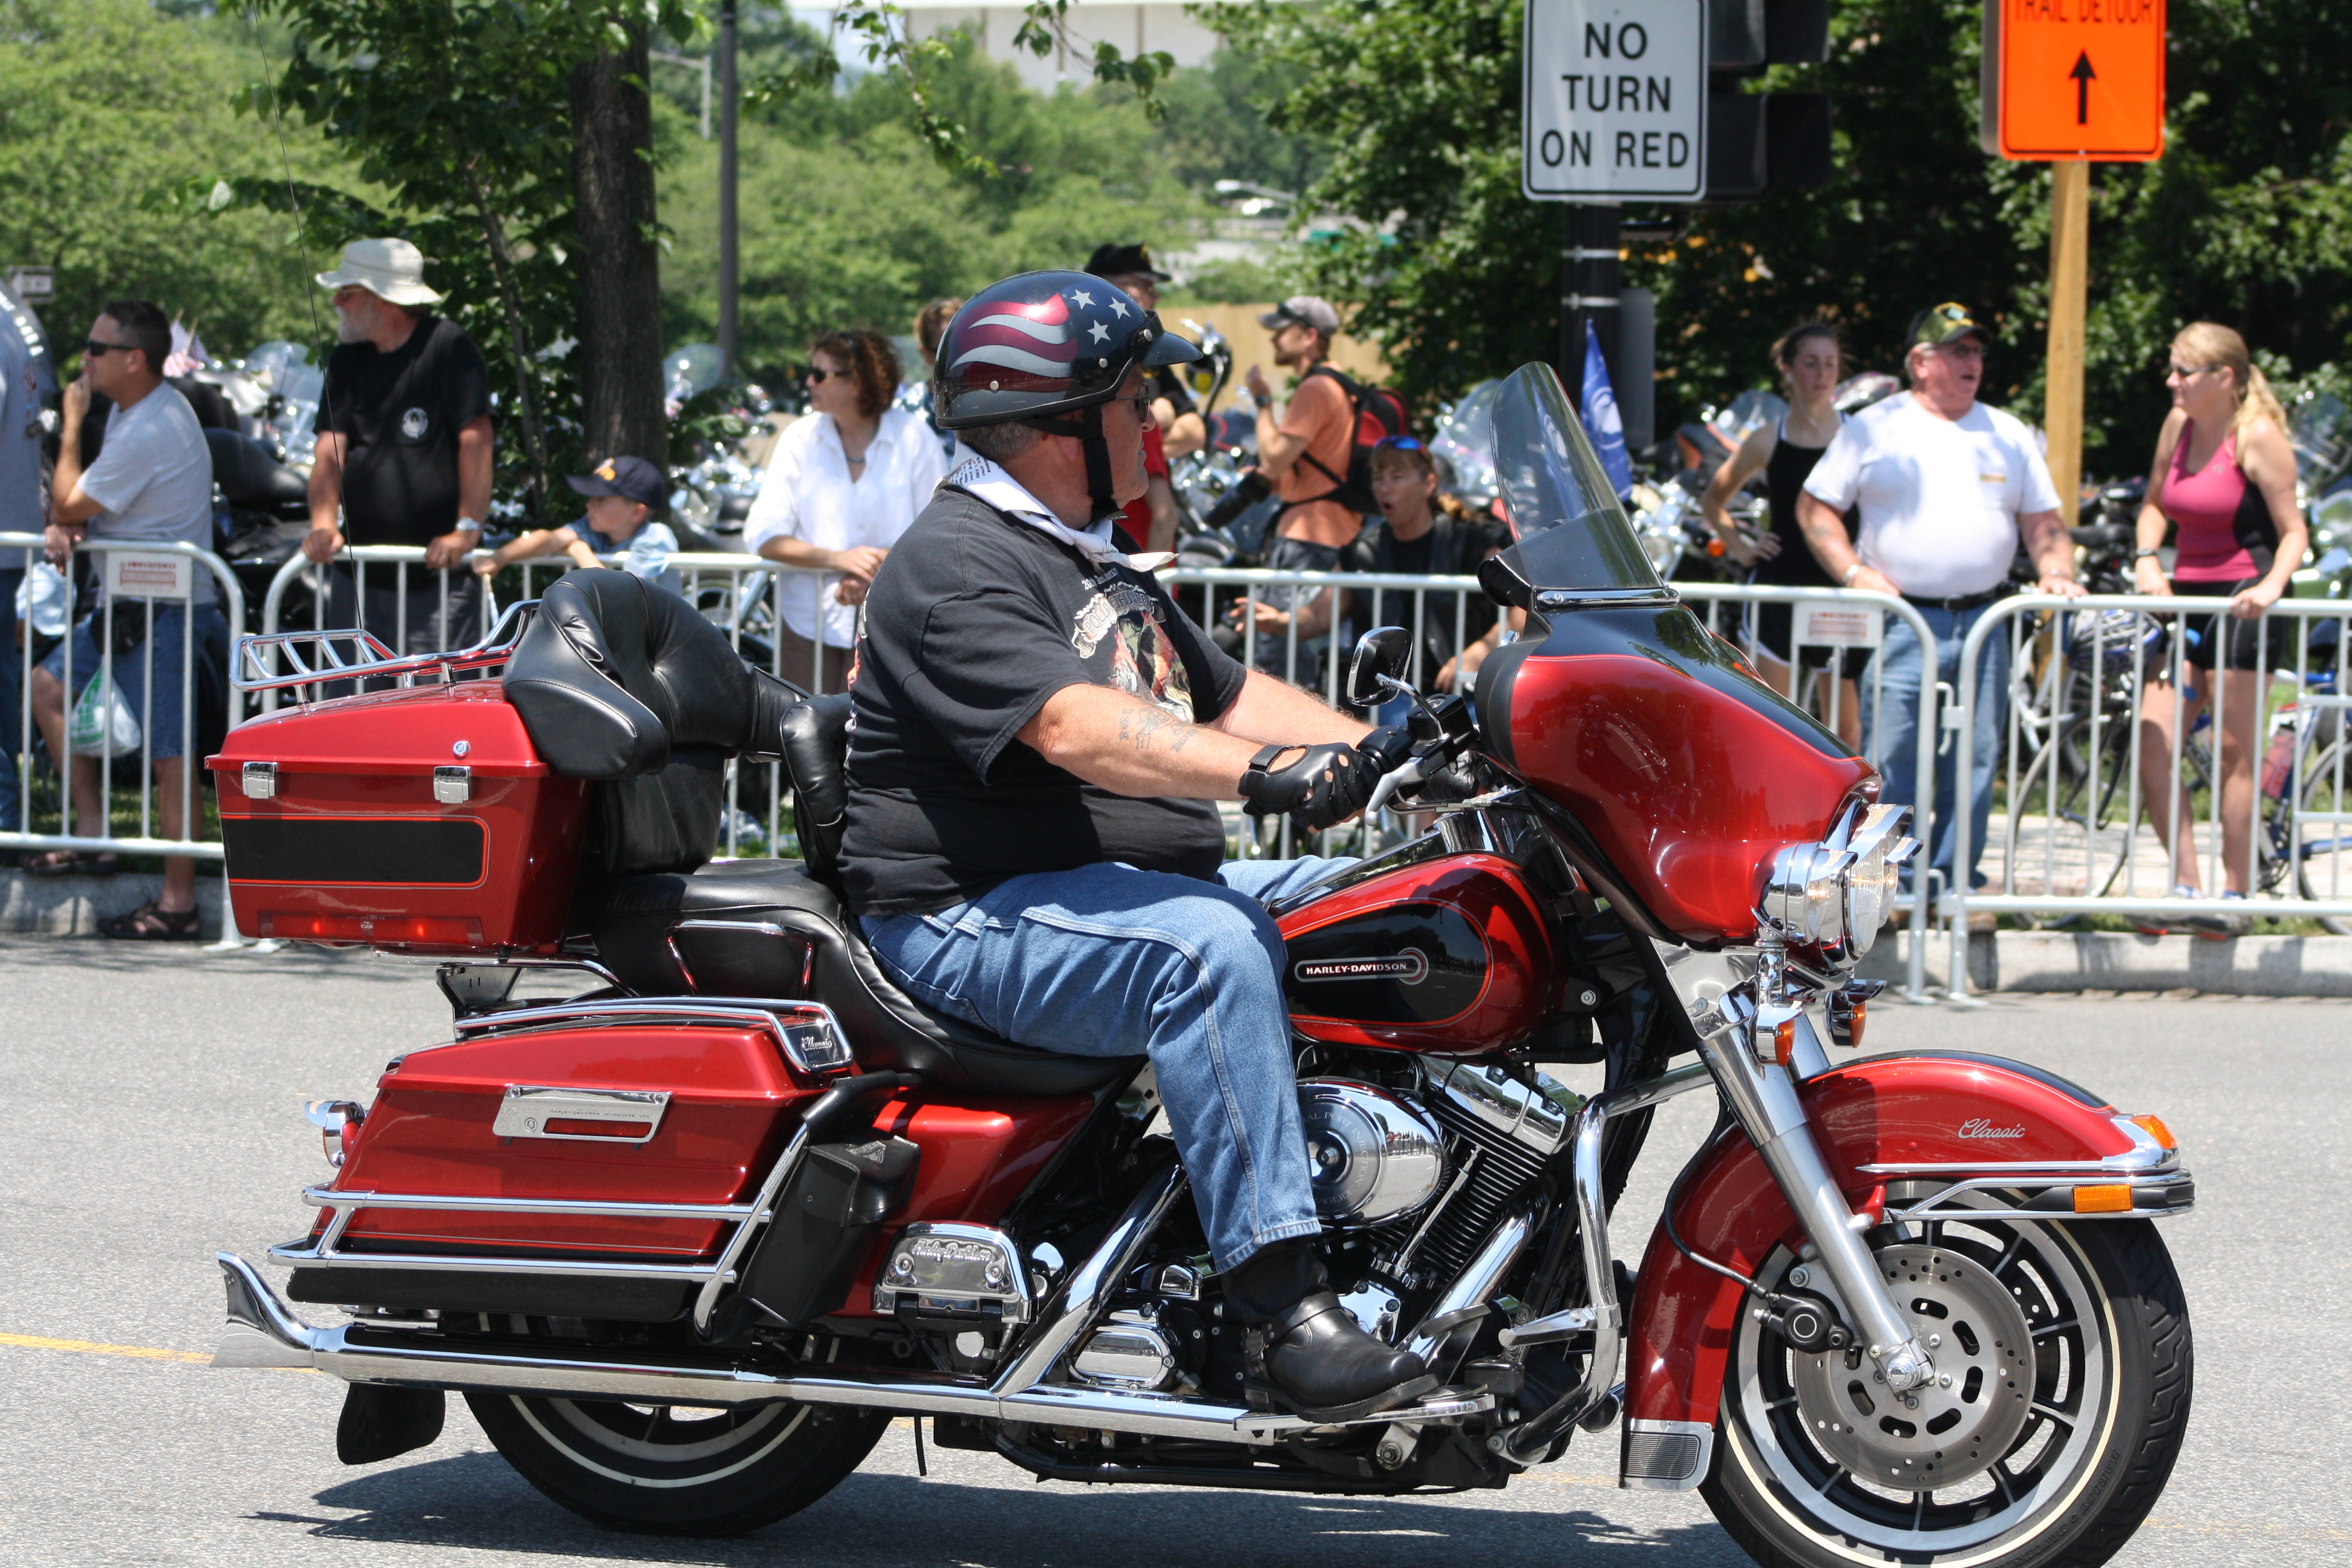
{"x": 88, "y": 1347}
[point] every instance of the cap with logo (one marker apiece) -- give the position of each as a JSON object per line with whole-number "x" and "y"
{"x": 391, "y": 269}
{"x": 1945, "y": 323}
{"x": 1125, "y": 261}
{"x": 631, "y": 478}
{"x": 1303, "y": 311}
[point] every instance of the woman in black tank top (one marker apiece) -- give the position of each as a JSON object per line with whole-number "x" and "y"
{"x": 1786, "y": 450}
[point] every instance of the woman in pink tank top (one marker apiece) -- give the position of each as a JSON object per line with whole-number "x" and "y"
{"x": 2225, "y": 479}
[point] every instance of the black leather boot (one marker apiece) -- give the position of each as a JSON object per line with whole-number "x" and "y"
{"x": 1306, "y": 1349}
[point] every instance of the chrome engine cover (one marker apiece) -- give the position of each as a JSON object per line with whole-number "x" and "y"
{"x": 1372, "y": 1157}
{"x": 947, "y": 1267}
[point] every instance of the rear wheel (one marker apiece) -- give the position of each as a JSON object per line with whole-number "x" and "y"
{"x": 678, "y": 1470}
{"x": 2067, "y": 1346}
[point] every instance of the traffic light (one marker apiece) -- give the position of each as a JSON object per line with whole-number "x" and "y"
{"x": 1761, "y": 143}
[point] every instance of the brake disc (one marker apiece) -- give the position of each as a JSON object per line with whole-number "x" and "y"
{"x": 1959, "y": 1422}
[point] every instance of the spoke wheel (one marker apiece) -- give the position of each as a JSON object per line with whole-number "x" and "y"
{"x": 2323, "y": 856}
{"x": 2067, "y": 1347}
{"x": 2068, "y": 838}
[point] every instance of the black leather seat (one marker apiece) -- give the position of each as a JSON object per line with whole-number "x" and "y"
{"x": 631, "y": 920}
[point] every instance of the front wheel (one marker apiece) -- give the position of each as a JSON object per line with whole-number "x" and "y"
{"x": 2063, "y": 1362}
{"x": 674, "y": 1470}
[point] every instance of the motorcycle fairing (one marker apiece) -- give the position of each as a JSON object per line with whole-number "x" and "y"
{"x": 1942, "y": 1119}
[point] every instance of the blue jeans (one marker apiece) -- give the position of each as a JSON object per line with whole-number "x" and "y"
{"x": 1108, "y": 961}
{"x": 1897, "y": 747}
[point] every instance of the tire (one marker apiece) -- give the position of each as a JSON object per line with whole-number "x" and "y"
{"x": 2082, "y": 834}
{"x": 658, "y": 1471}
{"x": 2105, "y": 1408}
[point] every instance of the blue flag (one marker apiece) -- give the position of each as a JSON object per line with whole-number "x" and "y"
{"x": 1602, "y": 423}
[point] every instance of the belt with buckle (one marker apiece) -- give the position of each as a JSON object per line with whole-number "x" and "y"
{"x": 1956, "y": 603}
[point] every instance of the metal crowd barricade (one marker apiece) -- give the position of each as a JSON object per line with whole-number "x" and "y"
{"x": 141, "y": 578}
{"x": 741, "y": 594}
{"x": 2075, "y": 830}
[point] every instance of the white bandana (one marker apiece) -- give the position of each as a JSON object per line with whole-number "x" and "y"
{"x": 981, "y": 477}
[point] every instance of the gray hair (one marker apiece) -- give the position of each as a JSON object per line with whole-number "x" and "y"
{"x": 1001, "y": 443}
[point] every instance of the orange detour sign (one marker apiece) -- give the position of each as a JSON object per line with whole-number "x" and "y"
{"x": 2074, "y": 78}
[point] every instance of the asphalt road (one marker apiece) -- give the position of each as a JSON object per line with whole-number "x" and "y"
{"x": 150, "y": 1115}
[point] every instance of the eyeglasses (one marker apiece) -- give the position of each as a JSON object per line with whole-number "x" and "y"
{"x": 818, "y": 373}
{"x": 1963, "y": 350}
{"x": 2185, "y": 370}
{"x": 96, "y": 350}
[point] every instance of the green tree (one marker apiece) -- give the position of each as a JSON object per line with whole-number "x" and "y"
{"x": 106, "y": 106}
{"x": 2244, "y": 219}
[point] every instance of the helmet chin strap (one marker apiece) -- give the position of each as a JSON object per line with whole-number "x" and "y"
{"x": 1087, "y": 428}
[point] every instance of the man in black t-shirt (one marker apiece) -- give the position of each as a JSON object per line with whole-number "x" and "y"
{"x": 1039, "y": 736}
{"x": 404, "y": 451}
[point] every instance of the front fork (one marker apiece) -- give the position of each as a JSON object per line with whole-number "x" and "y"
{"x": 1735, "y": 1002}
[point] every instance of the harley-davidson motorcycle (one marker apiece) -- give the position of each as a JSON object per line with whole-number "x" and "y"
{"x": 687, "y": 1241}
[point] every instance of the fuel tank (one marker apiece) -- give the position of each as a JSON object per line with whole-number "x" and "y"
{"x": 1688, "y": 770}
{"x": 1451, "y": 953}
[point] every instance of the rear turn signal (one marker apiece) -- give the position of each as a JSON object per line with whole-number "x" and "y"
{"x": 2155, "y": 1127}
{"x": 2115, "y": 1199}
{"x": 437, "y": 931}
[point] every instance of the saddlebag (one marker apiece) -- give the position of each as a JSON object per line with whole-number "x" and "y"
{"x": 420, "y": 818}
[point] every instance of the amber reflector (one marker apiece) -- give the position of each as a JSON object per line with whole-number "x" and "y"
{"x": 1855, "y": 1025}
{"x": 2103, "y": 1200}
{"x": 2155, "y": 1127}
{"x": 1784, "y": 1042}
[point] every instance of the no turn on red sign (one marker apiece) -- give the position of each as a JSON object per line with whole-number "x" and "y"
{"x": 2074, "y": 79}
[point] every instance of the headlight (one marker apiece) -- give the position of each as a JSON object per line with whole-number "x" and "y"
{"x": 1838, "y": 892}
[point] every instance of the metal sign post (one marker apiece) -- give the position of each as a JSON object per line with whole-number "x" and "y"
{"x": 1615, "y": 96}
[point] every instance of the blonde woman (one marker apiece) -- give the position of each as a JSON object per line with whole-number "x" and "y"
{"x": 2225, "y": 476}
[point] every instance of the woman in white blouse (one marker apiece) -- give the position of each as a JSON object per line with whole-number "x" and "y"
{"x": 842, "y": 486}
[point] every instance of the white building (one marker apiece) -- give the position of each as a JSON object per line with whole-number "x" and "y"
{"x": 1133, "y": 29}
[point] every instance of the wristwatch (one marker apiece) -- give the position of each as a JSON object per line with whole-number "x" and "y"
{"x": 2144, "y": 554}
{"x": 468, "y": 525}
{"x": 1851, "y": 573}
{"x": 1264, "y": 400}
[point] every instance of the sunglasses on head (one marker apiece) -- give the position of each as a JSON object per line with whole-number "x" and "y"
{"x": 1397, "y": 444}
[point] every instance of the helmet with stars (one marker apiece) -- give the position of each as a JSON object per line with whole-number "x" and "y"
{"x": 1041, "y": 342}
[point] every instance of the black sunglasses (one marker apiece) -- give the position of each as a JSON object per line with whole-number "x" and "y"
{"x": 818, "y": 373}
{"x": 96, "y": 350}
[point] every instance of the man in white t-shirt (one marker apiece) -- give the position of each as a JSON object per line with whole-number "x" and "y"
{"x": 153, "y": 480}
{"x": 1948, "y": 489}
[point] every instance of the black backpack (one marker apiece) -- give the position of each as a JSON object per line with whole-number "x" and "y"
{"x": 1379, "y": 414}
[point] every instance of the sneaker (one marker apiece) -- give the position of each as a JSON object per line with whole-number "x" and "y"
{"x": 2161, "y": 925}
{"x": 2222, "y": 926}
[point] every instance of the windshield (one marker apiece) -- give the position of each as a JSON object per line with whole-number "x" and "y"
{"x": 1570, "y": 532}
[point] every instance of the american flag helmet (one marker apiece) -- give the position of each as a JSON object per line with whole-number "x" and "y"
{"x": 1043, "y": 342}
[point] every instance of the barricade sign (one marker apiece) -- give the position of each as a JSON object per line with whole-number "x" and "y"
{"x": 1840, "y": 626}
{"x": 130, "y": 577}
{"x": 2074, "y": 79}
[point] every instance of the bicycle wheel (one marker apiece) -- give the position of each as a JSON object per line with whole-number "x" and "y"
{"x": 2323, "y": 852}
{"x": 2071, "y": 841}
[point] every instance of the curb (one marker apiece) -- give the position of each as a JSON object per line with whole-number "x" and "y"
{"x": 2058, "y": 962}
{"x": 72, "y": 906}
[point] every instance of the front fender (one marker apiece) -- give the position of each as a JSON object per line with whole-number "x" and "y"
{"x": 1956, "y": 1119}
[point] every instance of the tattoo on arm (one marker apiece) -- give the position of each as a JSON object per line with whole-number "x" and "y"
{"x": 1138, "y": 724}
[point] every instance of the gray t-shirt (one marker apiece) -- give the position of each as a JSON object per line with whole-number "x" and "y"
{"x": 154, "y": 477}
{"x": 20, "y": 438}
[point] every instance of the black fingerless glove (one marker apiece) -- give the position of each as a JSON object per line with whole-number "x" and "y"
{"x": 1328, "y": 785}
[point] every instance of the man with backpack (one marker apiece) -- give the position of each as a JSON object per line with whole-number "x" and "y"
{"x": 1316, "y": 453}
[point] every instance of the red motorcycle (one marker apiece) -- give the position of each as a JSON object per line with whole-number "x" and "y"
{"x": 689, "y": 1240}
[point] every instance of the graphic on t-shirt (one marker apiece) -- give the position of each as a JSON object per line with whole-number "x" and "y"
{"x": 1143, "y": 662}
{"x": 412, "y": 424}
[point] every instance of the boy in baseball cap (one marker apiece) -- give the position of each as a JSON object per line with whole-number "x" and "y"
{"x": 623, "y": 495}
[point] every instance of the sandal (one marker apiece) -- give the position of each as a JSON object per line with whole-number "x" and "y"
{"x": 70, "y": 863}
{"x": 150, "y": 922}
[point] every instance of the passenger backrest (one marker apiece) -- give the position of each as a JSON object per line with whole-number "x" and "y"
{"x": 626, "y": 683}
{"x": 816, "y": 753}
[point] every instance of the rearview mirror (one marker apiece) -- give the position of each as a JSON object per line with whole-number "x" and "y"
{"x": 1382, "y": 651}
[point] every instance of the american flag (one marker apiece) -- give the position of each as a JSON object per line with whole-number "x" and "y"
{"x": 1042, "y": 340}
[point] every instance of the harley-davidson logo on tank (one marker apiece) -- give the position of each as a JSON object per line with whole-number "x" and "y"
{"x": 1406, "y": 963}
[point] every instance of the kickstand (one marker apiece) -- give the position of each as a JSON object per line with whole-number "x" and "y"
{"x": 922, "y": 1468}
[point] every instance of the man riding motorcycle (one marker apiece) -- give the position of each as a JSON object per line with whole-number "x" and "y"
{"x": 1038, "y": 734}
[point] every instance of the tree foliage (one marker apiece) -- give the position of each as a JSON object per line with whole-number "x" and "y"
{"x": 2244, "y": 220}
{"x": 106, "y": 106}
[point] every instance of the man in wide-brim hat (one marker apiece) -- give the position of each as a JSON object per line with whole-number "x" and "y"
{"x": 404, "y": 450}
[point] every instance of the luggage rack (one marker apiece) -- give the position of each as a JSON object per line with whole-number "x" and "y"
{"x": 355, "y": 654}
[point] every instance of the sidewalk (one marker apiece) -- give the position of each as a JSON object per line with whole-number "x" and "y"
{"x": 2057, "y": 961}
{"x": 72, "y": 906}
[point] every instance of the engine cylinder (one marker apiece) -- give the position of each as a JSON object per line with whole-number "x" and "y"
{"x": 1371, "y": 1156}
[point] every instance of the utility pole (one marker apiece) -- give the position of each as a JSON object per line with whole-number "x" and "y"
{"x": 1590, "y": 278}
{"x": 728, "y": 331}
{"x": 2070, "y": 252}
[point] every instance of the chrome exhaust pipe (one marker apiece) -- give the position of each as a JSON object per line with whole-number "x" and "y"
{"x": 262, "y": 1333}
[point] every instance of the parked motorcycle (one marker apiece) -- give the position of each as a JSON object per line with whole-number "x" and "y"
{"x": 687, "y": 1241}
